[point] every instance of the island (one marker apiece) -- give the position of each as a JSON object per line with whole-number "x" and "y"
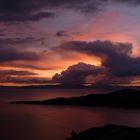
{"x": 107, "y": 132}
{"x": 126, "y": 98}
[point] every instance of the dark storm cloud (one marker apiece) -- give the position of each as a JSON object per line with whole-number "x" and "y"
{"x": 20, "y": 77}
{"x": 76, "y": 74}
{"x": 19, "y": 10}
{"x": 8, "y": 53}
{"x": 36, "y": 67}
{"x": 16, "y": 73}
{"x": 24, "y": 80}
{"x": 116, "y": 57}
{"x": 18, "y": 17}
{"x": 29, "y": 80}
{"x": 13, "y": 41}
{"x": 32, "y": 10}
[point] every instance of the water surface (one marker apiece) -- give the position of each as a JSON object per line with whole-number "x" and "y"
{"x": 36, "y": 122}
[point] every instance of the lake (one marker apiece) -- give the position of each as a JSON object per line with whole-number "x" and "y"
{"x": 36, "y": 122}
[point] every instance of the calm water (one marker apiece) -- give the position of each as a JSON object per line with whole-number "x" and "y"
{"x": 35, "y": 122}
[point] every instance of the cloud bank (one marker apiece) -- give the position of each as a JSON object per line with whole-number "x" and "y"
{"x": 117, "y": 61}
{"x": 34, "y": 10}
{"x": 77, "y": 74}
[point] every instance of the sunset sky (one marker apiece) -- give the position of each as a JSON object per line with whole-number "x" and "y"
{"x": 95, "y": 42}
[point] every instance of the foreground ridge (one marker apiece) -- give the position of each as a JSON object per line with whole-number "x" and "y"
{"x": 107, "y": 132}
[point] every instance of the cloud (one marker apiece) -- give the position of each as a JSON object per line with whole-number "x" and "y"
{"x": 15, "y": 73}
{"x": 77, "y": 74}
{"x": 35, "y": 66}
{"x": 34, "y": 10}
{"x": 116, "y": 57}
{"x": 61, "y": 33}
{"x": 27, "y": 80}
{"x": 13, "y": 41}
{"x": 24, "y": 80}
{"x": 8, "y": 53}
{"x": 128, "y": 1}
{"x": 20, "y": 11}
{"x": 21, "y": 77}
{"x": 18, "y": 17}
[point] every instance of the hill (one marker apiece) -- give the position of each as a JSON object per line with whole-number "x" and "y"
{"x": 127, "y": 98}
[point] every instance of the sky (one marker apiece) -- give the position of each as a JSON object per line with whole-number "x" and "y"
{"x": 74, "y": 42}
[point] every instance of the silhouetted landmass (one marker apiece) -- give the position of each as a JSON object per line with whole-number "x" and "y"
{"x": 127, "y": 98}
{"x": 107, "y": 132}
{"x": 68, "y": 86}
{"x": 57, "y": 86}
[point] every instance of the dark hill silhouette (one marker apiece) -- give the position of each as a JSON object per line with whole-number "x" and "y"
{"x": 127, "y": 98}
{"x": 108, "y": 132}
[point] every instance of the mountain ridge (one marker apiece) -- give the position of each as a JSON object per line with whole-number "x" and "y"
{"x": 127, "y": 98}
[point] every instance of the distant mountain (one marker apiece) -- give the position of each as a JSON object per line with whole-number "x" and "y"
{"x": 67, "y": 86}
{"x": 59, "y": 86}
{"x": 107, "y": 132}
{"x": 127, "y": 98}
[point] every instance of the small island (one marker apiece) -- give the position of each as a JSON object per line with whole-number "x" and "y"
{"x": 107, "y": 132}
{"x": 126, "y": 98}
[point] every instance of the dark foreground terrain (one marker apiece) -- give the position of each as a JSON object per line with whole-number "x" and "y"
{"x": 107, "y": 132}
{"x": 127, "y": 98}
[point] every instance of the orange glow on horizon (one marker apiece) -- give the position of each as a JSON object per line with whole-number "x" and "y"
{"x": 63, "y": 65}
